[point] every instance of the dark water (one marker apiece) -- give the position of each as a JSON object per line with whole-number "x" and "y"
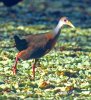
{"x": 32, "y": 12}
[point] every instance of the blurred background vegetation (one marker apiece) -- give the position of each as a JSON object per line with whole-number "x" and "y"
{"x": 47, "y": 11}
{"x": 67, "y": 70}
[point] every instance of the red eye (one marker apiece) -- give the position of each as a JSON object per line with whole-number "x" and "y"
{"x": 65, "y": 20}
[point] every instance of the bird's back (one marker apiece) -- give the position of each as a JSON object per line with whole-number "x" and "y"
{"x": 39, "y": 40}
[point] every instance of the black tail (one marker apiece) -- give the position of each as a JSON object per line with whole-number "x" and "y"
{"x": 17, "y": 39}
{"x": 21, "y": 44}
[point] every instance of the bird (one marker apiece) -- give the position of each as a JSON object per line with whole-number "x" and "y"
{"x": 10, "y": 3}
{"x": 35, "y": 46}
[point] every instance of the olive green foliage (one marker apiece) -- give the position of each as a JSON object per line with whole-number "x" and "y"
{"x": 65, "y": 72}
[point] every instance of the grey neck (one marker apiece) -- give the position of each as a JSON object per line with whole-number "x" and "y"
{"x": 58, "y": 28}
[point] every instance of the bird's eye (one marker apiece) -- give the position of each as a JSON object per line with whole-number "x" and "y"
{"x": 65, "y": 20}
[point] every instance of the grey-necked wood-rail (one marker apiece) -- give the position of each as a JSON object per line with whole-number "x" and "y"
{"x": 37, "y": 45}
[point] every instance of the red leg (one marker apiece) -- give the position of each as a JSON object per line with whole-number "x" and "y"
{"x": 33, "y": 67}
{"x": 15, "y": 65}
{"x": 23, "y": 55}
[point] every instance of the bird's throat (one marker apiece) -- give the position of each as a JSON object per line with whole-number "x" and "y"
{"x": 57, "y": 29}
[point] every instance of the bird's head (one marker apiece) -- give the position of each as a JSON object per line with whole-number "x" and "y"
{"x": 65, "y": 21}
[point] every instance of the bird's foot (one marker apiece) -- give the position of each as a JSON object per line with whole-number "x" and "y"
{"x": 32, "y": 78}
{"x": 14, "y": 70}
